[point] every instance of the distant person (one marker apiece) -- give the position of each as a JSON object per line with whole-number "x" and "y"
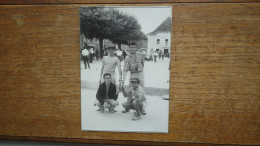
{"x": 85, "y": 54}
{"x": 135, "y": 99}
{"x": 105, "y": 52}
{"x": 94, "y": 54}
{"x": 155, "y": 56}
{"x": 119, "y": 54}
{"x": 151, "y": 54}
{"x": 106, "y": 95}
{"x": 144, "y": 53}
{"x": 97, "y": 52}
{"x": 134, "y": 63}
{"x": 124, "y": 54}
{"x": 91, "y": 51}
{"x": 109, "y": 64}
{"x": 160, "y": 54}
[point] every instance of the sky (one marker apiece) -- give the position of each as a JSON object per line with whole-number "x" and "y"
{"x": 149, "y": 17}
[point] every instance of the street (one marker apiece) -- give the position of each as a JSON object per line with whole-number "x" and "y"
{"x": 157, "y": 107}
{"x": 156, "y": 119}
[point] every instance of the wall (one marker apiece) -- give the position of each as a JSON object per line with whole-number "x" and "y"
{"x": 152, "y": 42}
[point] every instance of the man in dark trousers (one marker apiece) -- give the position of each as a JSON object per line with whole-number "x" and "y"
{"x": 107, "y": 95}
{"x": 97, "y": 52}
{"x": 85, "y": 54}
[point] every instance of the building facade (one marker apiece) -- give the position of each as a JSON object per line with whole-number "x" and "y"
{"x": 160, "y": 38}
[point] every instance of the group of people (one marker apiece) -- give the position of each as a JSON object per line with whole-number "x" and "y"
{"x": 153, "y": 55}
{"x": 89, "y": 54}
{"x": 107, "y": 93}
{"x": 158, "y": 54}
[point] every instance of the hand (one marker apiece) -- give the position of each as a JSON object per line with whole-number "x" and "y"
{"x": 135, "y": 94}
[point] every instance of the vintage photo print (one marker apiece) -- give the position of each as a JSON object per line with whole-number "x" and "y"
{"x": 125, "y": 68}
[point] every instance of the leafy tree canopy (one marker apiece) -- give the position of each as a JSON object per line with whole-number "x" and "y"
{"x": 110, "y": 23}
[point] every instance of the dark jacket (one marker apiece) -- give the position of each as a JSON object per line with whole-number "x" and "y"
{"x": 101, "y": 93}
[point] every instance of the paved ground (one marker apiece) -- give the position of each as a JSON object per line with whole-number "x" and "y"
{"x": 156, "y": 76}
{"x": 156, "y": 119}
{"x": 156, "y": 85}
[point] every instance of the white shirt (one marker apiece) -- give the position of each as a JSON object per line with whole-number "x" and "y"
{"x": 85, "y": 52}
{"x": 110, "y": 64}
{"x": 91, "y": 51}
{"x": 119, "y": 53}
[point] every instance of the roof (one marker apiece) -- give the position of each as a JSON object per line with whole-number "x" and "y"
{"x": 165, "y": 26}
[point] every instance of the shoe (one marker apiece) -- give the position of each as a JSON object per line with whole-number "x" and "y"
{"x": 135, "y": 113}
{"x": 102, "y": 110}
{"x": 125, "y": 111}
{"x": 143, "y": 112}
{"x": 98, "y": 109}
{"x": 112, "y": 110}
{"x": 136, "y": 118}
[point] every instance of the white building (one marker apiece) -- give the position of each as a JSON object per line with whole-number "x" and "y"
{"x": 160, "y": 38}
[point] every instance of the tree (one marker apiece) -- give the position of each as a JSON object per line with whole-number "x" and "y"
{"x": 109, "y": 23}
{"x": 126, "y": 29}
{"x": 94, "y": 23}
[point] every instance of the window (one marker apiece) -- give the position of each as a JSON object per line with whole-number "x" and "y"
{"x": 158, "y": 41}
{"x": 166, "y": 42}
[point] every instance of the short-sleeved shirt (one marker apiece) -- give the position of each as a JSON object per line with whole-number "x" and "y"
{"x": 91, "y": 50}
{"x": 139, "y": 91}
{"x": 119, "y": 53}
{"x": 133, "y": 63}
{"x": 110, "y": 64}
{"x": 85, "y": 52}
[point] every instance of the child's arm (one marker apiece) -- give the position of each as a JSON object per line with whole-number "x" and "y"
{"x": 125, "y": 93}
{"x": 101, "y": 73}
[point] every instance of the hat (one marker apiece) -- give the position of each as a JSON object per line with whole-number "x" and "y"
{"x": 135, "y": 80}
{"x": 111, "y": 47}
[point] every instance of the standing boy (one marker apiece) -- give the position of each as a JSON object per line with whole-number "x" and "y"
{"x": 134, "y": 63}
{"x": 109, "y": 64}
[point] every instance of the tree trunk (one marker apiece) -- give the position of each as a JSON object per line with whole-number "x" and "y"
{"x": 119, "y": 46}
{"x": 101, "y": 44}
{"x": 101, "y": 50}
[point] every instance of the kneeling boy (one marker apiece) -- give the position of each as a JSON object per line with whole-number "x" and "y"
{"x": 135, "y": 98}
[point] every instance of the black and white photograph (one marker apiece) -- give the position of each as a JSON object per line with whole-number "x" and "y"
{"x": 125, "y": 68}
